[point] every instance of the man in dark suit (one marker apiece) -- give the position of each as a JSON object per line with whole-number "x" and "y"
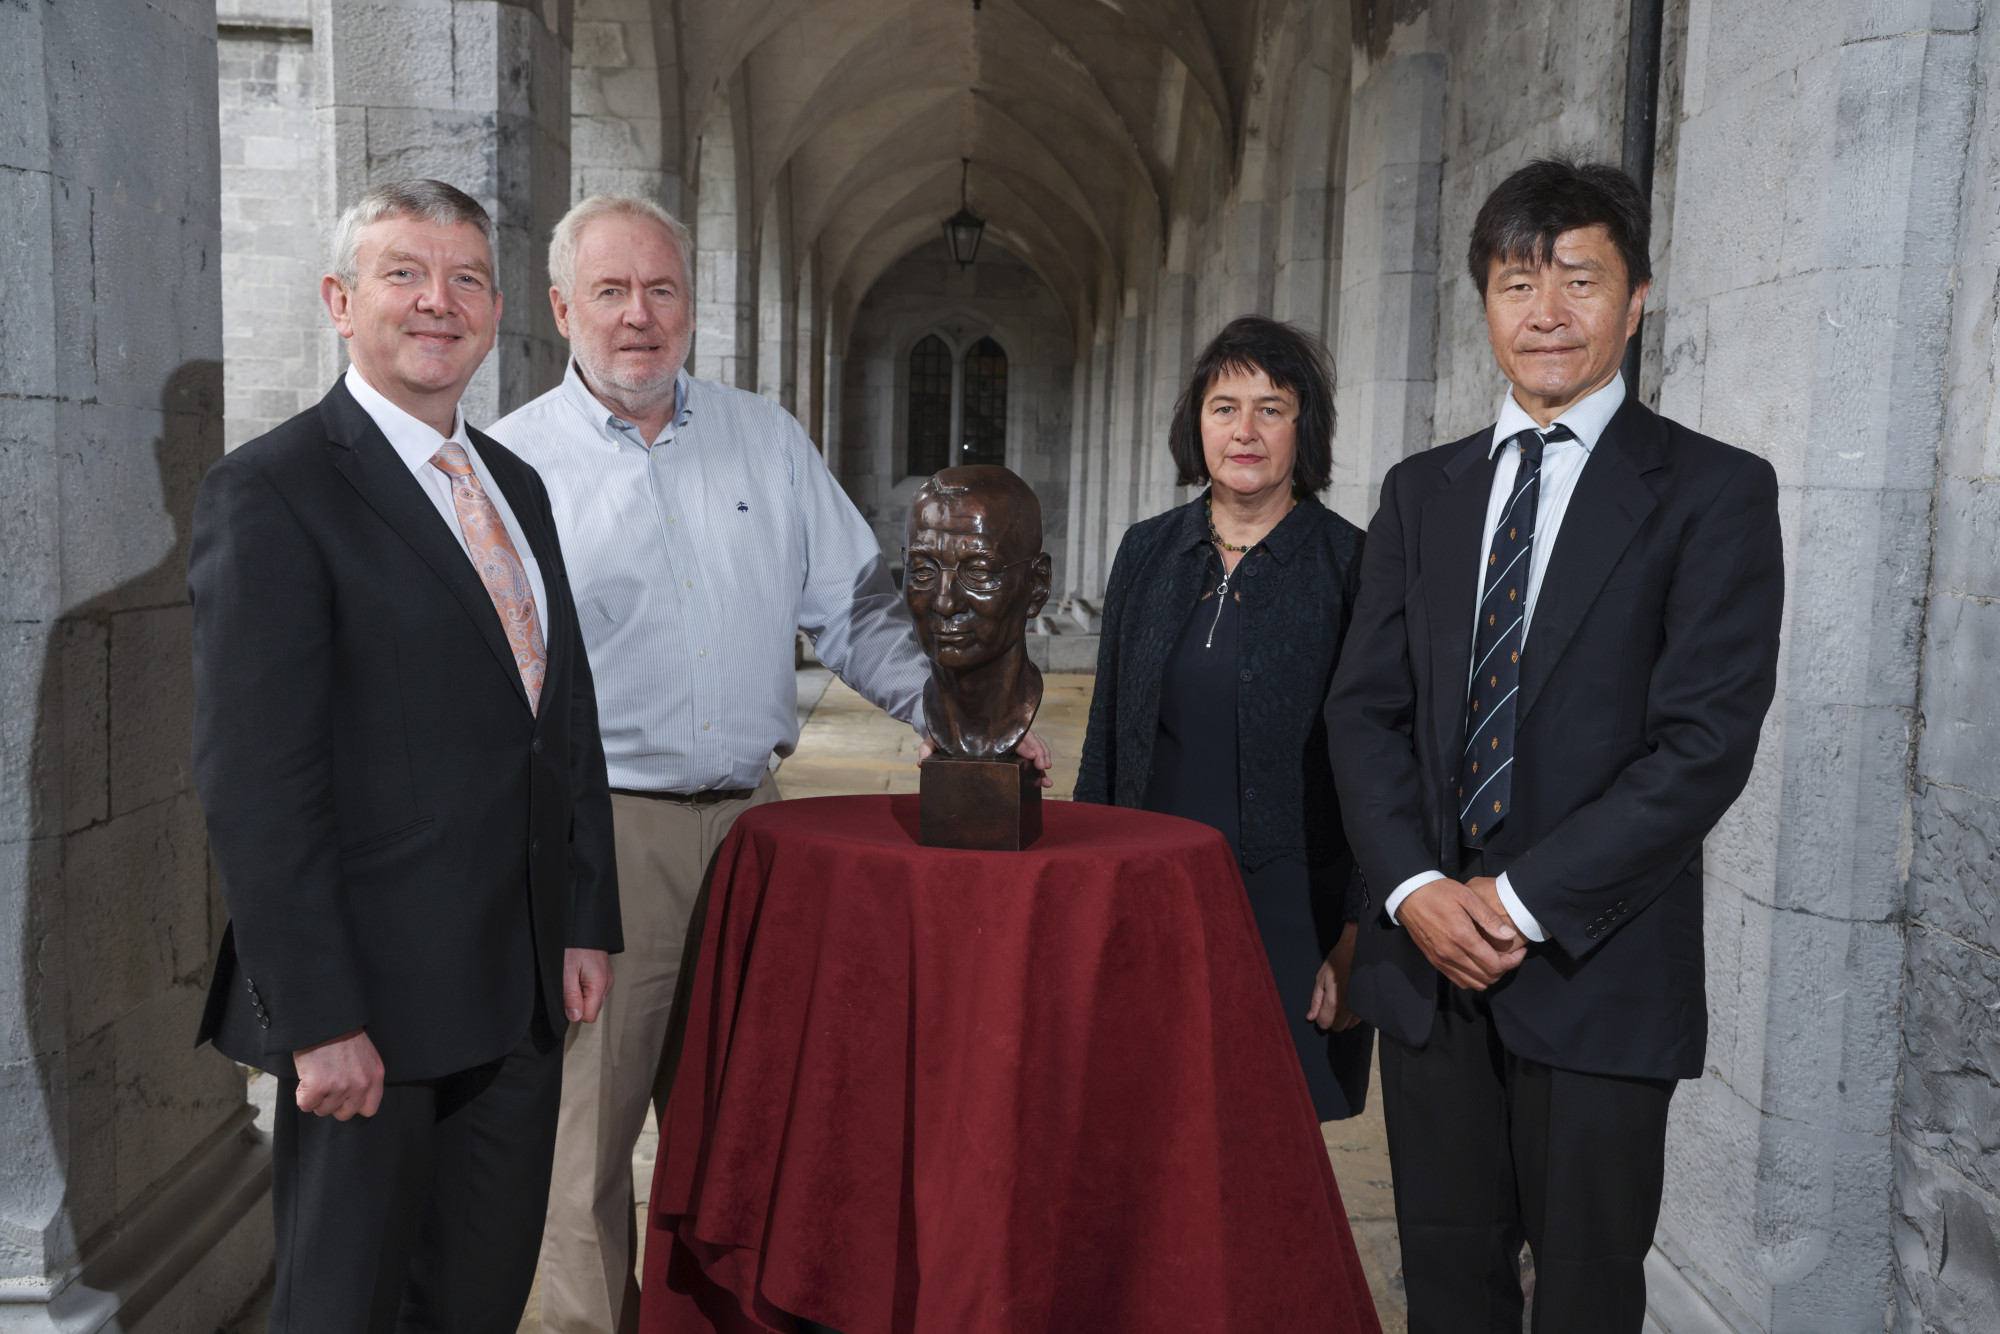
{"x": 1564, "y": 645}
{"x": 396, "y": 747}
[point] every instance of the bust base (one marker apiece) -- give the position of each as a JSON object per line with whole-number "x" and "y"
{"x": 983, "y": 805}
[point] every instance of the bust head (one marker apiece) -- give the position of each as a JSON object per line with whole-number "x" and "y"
{"x": 974, "y": 575}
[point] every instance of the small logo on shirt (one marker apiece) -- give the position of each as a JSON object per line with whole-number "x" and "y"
{"x": 742, "y": 508}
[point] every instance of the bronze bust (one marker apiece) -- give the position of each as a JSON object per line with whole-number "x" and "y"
{"x": 974, "y": 575}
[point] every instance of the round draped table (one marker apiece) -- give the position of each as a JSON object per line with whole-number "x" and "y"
{"x": 925, "y": 1091}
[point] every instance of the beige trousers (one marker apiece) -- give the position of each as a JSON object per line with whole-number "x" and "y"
{"x": 612, "y": 1069}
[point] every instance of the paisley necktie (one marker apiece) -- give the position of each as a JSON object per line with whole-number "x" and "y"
{"x": 499, "y": 567}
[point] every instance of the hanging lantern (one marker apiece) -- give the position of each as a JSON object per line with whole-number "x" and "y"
{"x": 963, "y": 229}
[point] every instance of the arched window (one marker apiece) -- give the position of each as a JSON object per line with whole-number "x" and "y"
{"x": 930, "y": 406}
{"x": 985, "y": 431}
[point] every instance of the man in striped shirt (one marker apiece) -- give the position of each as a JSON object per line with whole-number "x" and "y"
{"x": 701, "y": 530}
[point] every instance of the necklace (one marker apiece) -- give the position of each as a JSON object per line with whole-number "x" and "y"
{"x": 1208, "y": 508}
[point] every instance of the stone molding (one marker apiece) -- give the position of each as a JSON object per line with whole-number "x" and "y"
{"x": 181, "y": 1260}
{"x": 1678, "y": 1300}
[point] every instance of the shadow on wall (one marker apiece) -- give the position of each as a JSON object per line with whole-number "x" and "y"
{"x": 122, "y": 914}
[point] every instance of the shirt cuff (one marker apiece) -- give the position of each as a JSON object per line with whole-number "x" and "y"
{"x": 1407, "y": 888}
{"x": 1518, "y": 910}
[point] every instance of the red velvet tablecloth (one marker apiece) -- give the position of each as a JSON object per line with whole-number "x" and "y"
{"x": 939, "y": 1092}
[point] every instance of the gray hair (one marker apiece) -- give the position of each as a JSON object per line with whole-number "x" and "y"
{"x": 427, "y": 200}
{"x": 562, "y": 245}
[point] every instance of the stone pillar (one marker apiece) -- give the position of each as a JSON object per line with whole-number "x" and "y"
{"x": 1389, "y": 261}
{"x": 1946, "y": 1205}
{"x": 475, "y": 93}
{"x": 1807, "y": 317}
{"x": 279, "y": 351}
{"x": 132, "y": 1182}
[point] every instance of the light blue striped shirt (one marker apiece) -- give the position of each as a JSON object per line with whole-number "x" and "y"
{"x": 692, "y": 564}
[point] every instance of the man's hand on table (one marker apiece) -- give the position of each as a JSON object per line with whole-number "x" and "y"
{"x": 1031, "y": 748}
{"x": 1464, "y": 931}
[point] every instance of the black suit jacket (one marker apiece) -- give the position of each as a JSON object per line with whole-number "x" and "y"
{"x": 403, "y": 845}
{"x": 1648, "y": 667}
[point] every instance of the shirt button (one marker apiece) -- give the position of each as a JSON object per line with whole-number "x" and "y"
{"x": 703, "y": 653}
{"x": 1249, "y": 794}
{"x": 704, "y": 727}
{"x": 670, "y": 518}
{"x": 688, "y": 582}
{"x": 1243, "y": 675}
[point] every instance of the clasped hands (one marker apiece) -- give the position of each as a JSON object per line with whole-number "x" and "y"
{"x": 1464, "y": 930}
{"x": 342, "y": 1077}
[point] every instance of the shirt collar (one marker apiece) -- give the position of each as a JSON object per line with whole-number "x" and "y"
{"x": 1587, "y": 417}
{"x": 414, "y": 441}
{"x": 610, "y": 423}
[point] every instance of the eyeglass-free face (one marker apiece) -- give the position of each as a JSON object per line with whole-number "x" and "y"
{"x": 971, "y": 594}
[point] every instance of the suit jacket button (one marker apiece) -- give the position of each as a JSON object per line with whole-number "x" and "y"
{"x": 263, "y": 1021}
{"x": 1249, "y": 794}
{"x": 1243, "y": 675}
{"x": 534, "y": 846}
{"x": 536, "y": 746}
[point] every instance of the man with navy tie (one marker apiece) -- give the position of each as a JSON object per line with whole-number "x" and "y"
{"x": 1564, "y": 646}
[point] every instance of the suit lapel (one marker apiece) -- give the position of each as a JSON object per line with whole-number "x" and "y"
{"x": 1611, "y": 500}
{"x": 1453, "y": 521}
{"x": 365, "y": 458}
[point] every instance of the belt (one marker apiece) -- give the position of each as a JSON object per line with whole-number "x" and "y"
{"x": 706, "y": 797}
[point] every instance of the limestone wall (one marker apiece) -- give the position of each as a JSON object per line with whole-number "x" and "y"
{"x": 477, "y": 93}
{"x": 1946, "y": 1147}
{"x": 279, "y": 351}
{"x": 615, "y": 102}
{"x": 111, "y": 342}
{"x": 1820, "y": 159}
{"x": 1524, "y": 81}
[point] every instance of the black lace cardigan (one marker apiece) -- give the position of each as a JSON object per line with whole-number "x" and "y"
{"x": 1298, "y": 587}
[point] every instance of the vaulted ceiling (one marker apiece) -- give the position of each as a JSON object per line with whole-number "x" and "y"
{"x": 1073, "y": 113}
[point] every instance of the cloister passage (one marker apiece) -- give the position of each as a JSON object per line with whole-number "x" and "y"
{"x": 1826, "y": 192}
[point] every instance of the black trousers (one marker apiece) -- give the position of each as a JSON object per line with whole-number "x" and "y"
{"x": 425, "y": 1216}
{"x": 1489, "y": 1149}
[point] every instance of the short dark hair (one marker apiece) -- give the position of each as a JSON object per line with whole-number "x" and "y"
{"x": 1291, "y": 359}
{"x": 1524, "y": 215}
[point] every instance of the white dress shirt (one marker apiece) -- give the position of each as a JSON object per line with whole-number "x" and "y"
{"x": 694, "y": 559}
{"x": 415, "y": 443}
{"x": 1562, "y": 464}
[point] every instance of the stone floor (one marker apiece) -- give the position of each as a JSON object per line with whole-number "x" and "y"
{"x": 848, "y": 745}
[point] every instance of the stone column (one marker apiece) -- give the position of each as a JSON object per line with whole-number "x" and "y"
{"x": 1389, "y": 259}
{"x": 1807, "y": 318}
{"x": 475, "y": 93}
{"x": 131, "y": 1178}
{"x": 1946, "y": 1205}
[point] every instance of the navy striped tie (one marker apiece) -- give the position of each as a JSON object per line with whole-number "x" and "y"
{"x": 1486, "y": 768}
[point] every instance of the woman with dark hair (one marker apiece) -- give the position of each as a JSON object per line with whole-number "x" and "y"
{"x": 1221, "y": 627}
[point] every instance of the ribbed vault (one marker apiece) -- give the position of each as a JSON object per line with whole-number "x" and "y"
{"x": 1072, "y": 112}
